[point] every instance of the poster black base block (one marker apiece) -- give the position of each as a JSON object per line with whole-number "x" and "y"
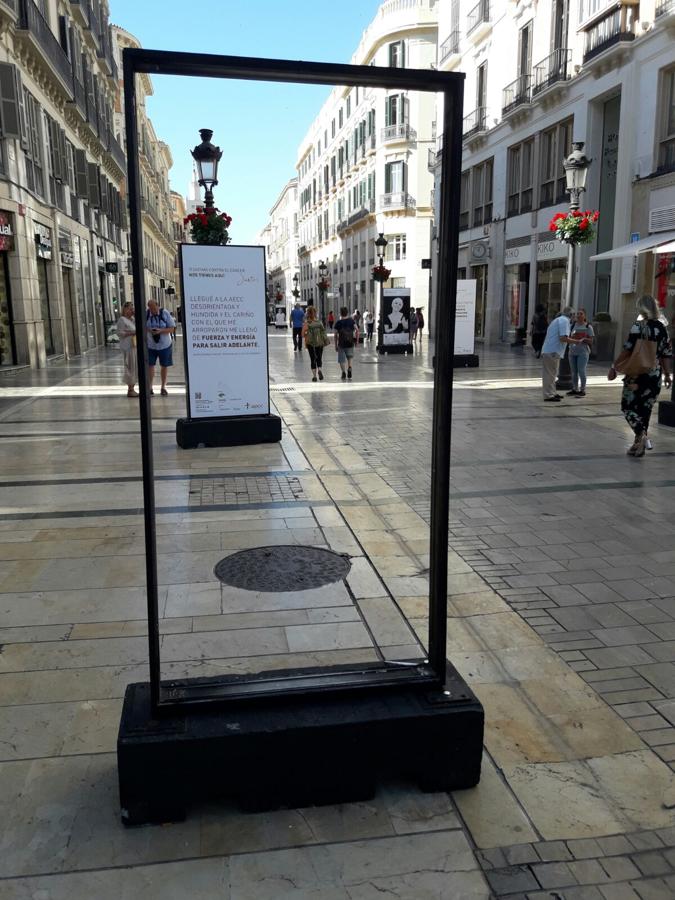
{"x": 228, "y": 432}
{"x": 667, "y": 413}
{"x": 296, "y": 751}
{"x": 465, "y": 361}
{"x": 395, "y": 348}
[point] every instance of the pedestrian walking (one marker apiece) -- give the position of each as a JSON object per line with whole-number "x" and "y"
{"x": 579, "y": 353}
{"x": 297, "y": 322}
{"x": 538, "y": 328}
{"x": 126, "y": 331}
{"x": 331, "y": 320}
{"x": 420, "y": 323}
{"x": 159, "y": 326}
{"x": 414, "y": 322}
{"x": 346, "y": 336}
{"x": 644, "y": 361}
{"x": 553, "y": 350}
{"x": 315, "y": 338}
{"x": 369, "y": 319}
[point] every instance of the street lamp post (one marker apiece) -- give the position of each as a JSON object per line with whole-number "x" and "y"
{"x": 381, "y": 245}
{"x": 207, "y": 157}
{"x": 323, "y": 272}
{"x": 576, "y": 170}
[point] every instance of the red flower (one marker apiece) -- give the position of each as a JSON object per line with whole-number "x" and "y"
{"x": 596, "y": 216}
{"x": 203, "y": 219}
{"x": 559, "y": 215}
{"x": 552, "y": 227}
{"x": 200, "y": 209}
{"x": 185, "y": 220}
{"x": 583, "y": 225}
{"x": 577, "y": 213}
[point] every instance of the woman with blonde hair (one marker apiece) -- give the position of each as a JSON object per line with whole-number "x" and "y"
{"x": 641, "y": 390}
{"x": 126, "y": 330}
{"x": 314, "y": 335}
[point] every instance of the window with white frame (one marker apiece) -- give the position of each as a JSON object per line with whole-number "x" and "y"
{"x": 396, "y": 247}
{"x": 666, "y": 160}
{"x": 397, "y": 55}
{"x": 395, "y": 177}
{"x": 464, "y": 201}
{"x": 481, "y": 192}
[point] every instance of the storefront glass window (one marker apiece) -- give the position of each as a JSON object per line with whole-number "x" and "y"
{"x": 7, "y": 348}
{"x": 551, "y": 274}
{"x": 480, "y": 273}
{"x": 44, "y": 307}
{"x": 516, "y": 305}
{"x": 88, "y": 295}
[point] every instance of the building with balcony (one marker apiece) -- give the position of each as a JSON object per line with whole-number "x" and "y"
{"x": 281, "y": 243}
{"x": 180, "y": 236}
{"x": 62, "y": 216}
{"x": 157, "y": 204}
{"x": 537, "y": 78}
{"x": 362, "y": 169}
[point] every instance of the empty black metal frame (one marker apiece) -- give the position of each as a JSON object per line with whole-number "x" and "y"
{"x": 171, "y": 697}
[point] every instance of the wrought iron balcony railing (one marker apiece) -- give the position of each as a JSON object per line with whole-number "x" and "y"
{"x": 479, "y": 14}
{"x": 397, "y": 200}
{"x": 663, "y": 7}
{"x": 397, "y": 133}
{"x": 613, "y": 29}
{"x": 475, "y": 122}
{"x": 32, "y": 21}
{"x": 554, "y": 68}
{"x": 516, "y": 94}
{"x": 449, "y": 46}
{"x": 11, "y": 5}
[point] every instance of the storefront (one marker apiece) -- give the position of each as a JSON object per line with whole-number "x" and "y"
{"x": 44, "y": 248}
{"x": 664, "y": 284}
{"x": 517, "y": 312}
{"x": 67, "y": 280}
{"x": 480, "y": 275}
{"x": 7, "y": 337}
{"x": 551, "y": 275}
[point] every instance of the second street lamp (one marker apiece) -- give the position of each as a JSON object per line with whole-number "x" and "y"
{"x": 379, "y": 275}
{"x": 323, "y": 286}
{"x": 576, "y": 170}
{"x": 207, "y": 157}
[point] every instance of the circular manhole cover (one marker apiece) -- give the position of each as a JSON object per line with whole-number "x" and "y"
{"x": 283, "y": 568}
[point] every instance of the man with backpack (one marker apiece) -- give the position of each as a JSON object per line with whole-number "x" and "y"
{"x": 160, "y": 326}
{"x": 346, "y": 336}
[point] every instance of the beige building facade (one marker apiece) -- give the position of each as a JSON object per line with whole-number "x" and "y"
{"x": 155, "y": 161}
{"x": 62, "y": 217}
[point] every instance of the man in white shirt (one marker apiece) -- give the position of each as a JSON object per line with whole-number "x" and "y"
{"x": 553, "y": 350}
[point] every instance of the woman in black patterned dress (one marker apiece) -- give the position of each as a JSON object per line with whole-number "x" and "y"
{"x": 640, "y": 391}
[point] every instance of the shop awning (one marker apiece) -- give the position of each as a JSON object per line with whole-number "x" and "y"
{"x": 665, "y": 248}
{"x": 654, "y": 240}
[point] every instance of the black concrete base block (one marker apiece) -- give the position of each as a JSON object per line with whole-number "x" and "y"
{"x": 395, "y": 348}
{"x": 293, "y": 751}
{"x": 465, "y": 361}
{"x": 667, "y": 413}
{"x": 228, "y": 432}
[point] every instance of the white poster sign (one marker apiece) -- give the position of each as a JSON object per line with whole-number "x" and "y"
{"x": 395, "y": 316}
{"x": 225, "y": 330}
{"x": 465, "y": 318}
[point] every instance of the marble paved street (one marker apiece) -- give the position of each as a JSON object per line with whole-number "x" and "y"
{"x": 562, "y": 617}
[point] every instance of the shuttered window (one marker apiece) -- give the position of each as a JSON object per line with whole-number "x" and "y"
{"x": 10, "y": 89}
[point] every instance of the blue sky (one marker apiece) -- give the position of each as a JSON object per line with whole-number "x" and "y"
{"x": 257, "y": 125}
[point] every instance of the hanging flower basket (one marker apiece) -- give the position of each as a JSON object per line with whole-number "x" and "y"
{"x": 279, "y": 296}
{"x": 381, "y": 273}
{"x": 575, "y": 227}
{"x": 322, "y": 285}
{"x": 208, "y": 226}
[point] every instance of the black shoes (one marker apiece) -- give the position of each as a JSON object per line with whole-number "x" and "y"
{"x": 344, "y": 376}
{"x": 320, "y": 375}
{"x": 555, "y": 399}
{"x": 349, "y": 373}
